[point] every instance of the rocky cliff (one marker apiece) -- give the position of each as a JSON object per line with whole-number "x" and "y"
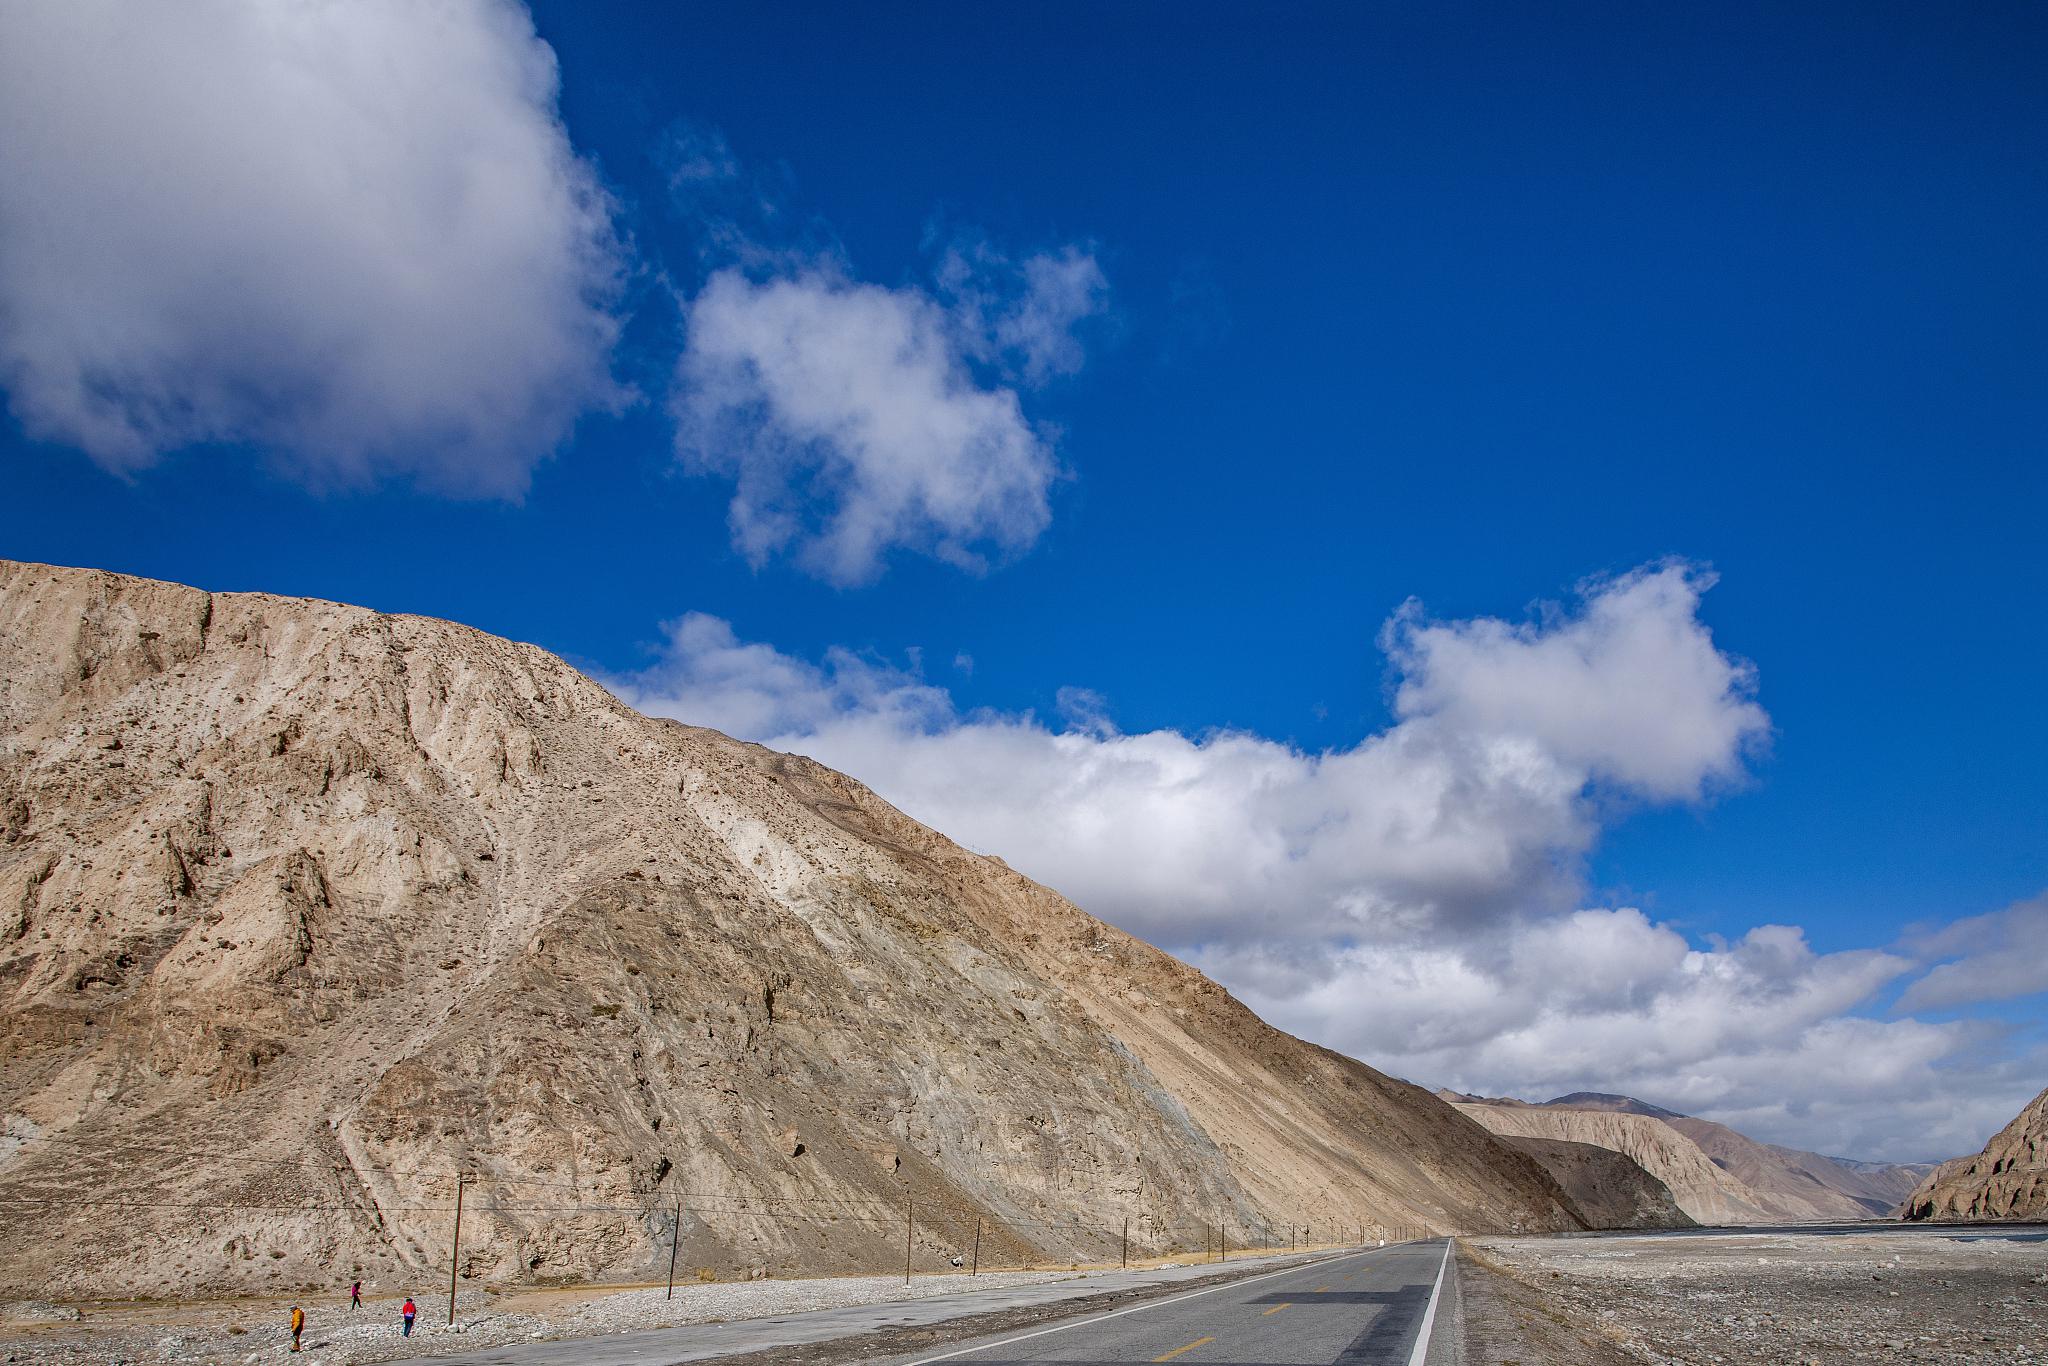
{"x": 312, "y": 918}
{"x": 2008, "y": 1180}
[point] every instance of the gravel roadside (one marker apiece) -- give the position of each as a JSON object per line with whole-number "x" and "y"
{"x": 1966, "y": 1299}
{"x": 247, "y": 1332}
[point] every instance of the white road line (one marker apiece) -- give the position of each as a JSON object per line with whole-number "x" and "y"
{"x": 1421, "y": 1351}
{"x": 1134, "y": 1309}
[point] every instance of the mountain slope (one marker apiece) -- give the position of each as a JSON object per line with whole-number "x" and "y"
{"x": 1785, "y": 1183}
{"x": 2008, "y": 1180}
{"x": 1706, "y": 1193}
{"x": 305, "y": 909}
{"x": 1790, "y": 1183}
{"x": 1610, "y": 1189}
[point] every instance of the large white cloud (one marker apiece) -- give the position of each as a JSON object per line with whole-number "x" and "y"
{"x": 1633, "y": 688}
{"x": 352, "y": 233}
{"x": 1454, "y": 814}
{"x": 1414, "y": 900}
{"x": 855, "y": 419}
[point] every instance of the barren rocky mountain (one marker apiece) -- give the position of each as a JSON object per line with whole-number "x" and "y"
{"x": 2008, "y": 1180}
{"x": 1706, "y": 1193}
{"x": 1611, "y": 1189}
{"x": 1785, "y": 1183}
{"x": 1799, "y": 1185}
{"x": 305, "y": 910}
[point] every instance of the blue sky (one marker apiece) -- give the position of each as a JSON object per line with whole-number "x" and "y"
{"x": 1470, "y": 305}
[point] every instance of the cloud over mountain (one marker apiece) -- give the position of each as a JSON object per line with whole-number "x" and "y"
{"x": 1417, "y": 899}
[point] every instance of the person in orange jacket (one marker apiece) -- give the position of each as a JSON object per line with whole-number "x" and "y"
{"x": 298, "y": 1325}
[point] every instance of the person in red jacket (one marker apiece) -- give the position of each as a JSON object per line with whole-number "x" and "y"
{"x": 408, "y": 1309}
{"x": 355, "y": 1295}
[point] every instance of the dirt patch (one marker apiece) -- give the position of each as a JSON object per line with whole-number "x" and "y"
{"x": 1508, "y": 1323}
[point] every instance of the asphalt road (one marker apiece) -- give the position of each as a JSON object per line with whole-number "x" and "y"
{"x": 1358, "y": 1308}
{"x": 1365, "y": 1309}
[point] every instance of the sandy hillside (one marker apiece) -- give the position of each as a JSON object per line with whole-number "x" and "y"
{"x": 305, "y": 909}
{"x": 2008, "y": 1180}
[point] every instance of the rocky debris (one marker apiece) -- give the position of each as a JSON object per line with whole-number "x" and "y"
{"x": 2008, "y": 1180}
{"x": 1610, "y": 1189}
{"x": 362, "y": 904}
{"x": 1793, "y": 1300}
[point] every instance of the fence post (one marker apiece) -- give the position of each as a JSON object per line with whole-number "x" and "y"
{"x": 1127, "y": 1242}
{"x": 975, "y": 1268}
{"x": 909, "y": 1214}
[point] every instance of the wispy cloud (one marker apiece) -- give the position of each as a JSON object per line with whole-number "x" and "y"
{"x": 1993, "y": 957}
{"x": 353, "y": 236}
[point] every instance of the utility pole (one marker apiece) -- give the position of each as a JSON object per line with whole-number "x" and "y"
{"x": 909, "y": 1214}
{"x": 675, "y": 1242}
{"x": 455, "y": 1252}
{"x": 974, "y": 1267}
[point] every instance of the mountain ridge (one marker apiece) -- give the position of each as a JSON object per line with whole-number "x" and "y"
{"x": 1761, "y": 1182}
{"x": 307, "y": 909}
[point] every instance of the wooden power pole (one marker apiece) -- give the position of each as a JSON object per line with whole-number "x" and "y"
{"x": 455, "y": 1252}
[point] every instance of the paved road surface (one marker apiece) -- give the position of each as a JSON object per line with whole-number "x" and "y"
{"x": 1357, "y": 1308}
{"x": 1365, "y": 1309}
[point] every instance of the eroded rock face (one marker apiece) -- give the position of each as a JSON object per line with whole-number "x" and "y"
{"x": 2008, "y": 1180}
{"x": 305, "y": 909}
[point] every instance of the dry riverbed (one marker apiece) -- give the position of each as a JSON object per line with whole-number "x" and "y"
{"x": 1956, "y": 1297}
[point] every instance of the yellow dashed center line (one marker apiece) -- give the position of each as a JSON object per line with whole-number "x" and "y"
{"x": 1178, "y": 1350}
{"x": 1322, "y": 1290}
{"x": 1275, "y": 1309}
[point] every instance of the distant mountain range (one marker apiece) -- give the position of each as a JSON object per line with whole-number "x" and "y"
{"x": 1716, "y": 1174}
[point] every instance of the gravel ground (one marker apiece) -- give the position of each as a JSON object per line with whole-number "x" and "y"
{"x": 249, "y": 1331}
{"x": 1958, "y": 1298}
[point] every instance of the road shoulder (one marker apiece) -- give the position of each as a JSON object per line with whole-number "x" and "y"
{"x": 1505, "y": 1320}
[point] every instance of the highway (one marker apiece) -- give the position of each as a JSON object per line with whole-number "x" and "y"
{"x": 1376, "y": 1308}
{"x": 1361, "y": 1309}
